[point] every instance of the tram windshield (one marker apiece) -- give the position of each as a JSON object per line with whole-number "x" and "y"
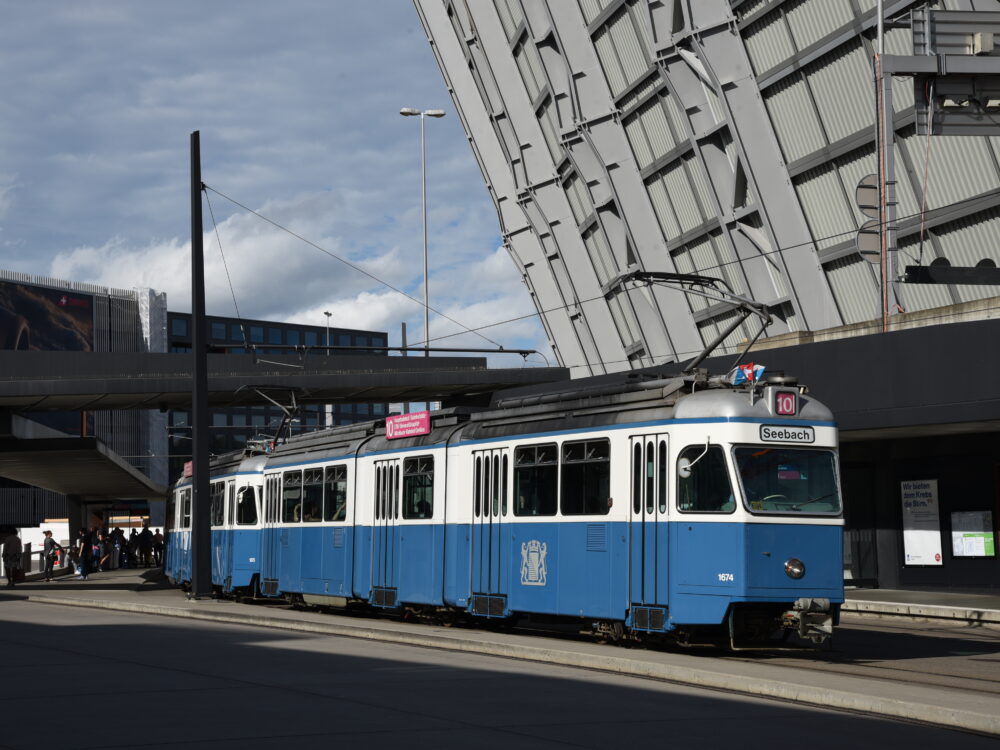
{"x": 788, "y": 480}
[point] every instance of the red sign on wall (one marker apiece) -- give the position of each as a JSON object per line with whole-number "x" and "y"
{"x": 408, "y": 425}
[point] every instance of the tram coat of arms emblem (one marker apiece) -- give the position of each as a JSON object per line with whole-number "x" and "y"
{"x": 533, "y": 563}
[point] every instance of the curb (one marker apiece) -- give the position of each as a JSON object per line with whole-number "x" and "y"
{"x": 807, "y": 694}
{"x": 924, "y": 612}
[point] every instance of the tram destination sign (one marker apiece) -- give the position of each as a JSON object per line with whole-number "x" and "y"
{"x": 408, "y": 425}
{"x": 780, "y": 433}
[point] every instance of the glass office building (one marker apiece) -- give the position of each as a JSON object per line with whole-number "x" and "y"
{"x": 231, "y": 428}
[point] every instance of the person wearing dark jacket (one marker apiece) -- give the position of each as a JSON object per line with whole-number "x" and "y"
{"x": 12, "y": 550}
{"x": 49, "y": 548}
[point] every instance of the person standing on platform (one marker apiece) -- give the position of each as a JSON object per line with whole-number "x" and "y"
{"x": 49, "y": 548}
{"x": 12, "y": 550}
{"x": 146, "y": 546}
{"x": 157, "y": 548}
{"x": 83, "y": 553}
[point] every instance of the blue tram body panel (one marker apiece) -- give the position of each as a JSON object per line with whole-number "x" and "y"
{"x": 245, "y": 556}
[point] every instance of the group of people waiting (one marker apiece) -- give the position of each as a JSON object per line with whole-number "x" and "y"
{"x": 100, "y": 549}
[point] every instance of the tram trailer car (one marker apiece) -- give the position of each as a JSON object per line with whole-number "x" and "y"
{"x": 685, "y": 507}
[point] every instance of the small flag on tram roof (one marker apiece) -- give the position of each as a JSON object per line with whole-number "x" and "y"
{"x": 748, "y": 373}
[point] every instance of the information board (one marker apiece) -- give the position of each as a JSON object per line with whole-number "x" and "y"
{"x": 972, "y": 534}
{"x": 921, "y": 522}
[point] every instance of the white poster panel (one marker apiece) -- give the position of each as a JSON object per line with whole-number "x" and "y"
{"x": 972, "y": 534}
{"x": 921, "y": 522}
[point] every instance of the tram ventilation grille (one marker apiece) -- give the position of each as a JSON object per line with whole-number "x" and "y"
{"x": 383, "y": 597}
{"x": 649, "y": 618}
{"x": 489, "y": 606}
{"x": 597, "y": 537}
{"x": 338, "y": 538}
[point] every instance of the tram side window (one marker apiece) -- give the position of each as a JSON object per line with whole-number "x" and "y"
{"x": 418, "y": 487}
{"x": 536, "y": 480}
{"x": 291, "y": 497}
{"x": 246, "y": 506}
{"x": 186, "y": 509}
{"x": 335, "y": 496}
{"x": 218, "y": 496}
{"x": 586, "y": 478}
{"x": 707, "y": 489}
{"x": 312, "y": 496}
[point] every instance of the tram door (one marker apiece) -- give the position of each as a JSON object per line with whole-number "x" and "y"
{"x": 385, "y": 533}
{"x": 648, "y": 524}
{"x": 490, "y": 558}
{"x": 270, "y": 544}
{"x": 228, "y": 535}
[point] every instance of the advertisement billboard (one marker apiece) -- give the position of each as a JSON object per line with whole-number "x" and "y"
{"x": 37, "y": 318}
{"x": 41, "y": 319}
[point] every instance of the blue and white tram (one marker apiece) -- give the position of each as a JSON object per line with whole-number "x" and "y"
{"x": 235, "y": 491}
{"x": 683, "y": 506}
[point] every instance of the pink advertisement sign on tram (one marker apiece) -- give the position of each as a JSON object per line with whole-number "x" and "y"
{"x": 408, "y": 425}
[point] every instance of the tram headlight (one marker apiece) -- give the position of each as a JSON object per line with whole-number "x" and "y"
{"x": 795, "y": 568}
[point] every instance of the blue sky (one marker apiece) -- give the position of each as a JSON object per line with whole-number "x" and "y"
{"x": 297, "y": 104}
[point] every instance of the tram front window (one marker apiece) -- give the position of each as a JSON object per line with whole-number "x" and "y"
{"x": 788, "y": 480}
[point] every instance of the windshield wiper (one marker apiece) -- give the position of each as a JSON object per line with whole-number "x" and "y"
{"x": 810, "y": 501}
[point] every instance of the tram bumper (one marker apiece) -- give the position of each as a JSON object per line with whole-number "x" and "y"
{"x": 813, "y": 618}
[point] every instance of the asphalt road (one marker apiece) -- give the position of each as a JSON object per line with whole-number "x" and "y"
{"x": 101, "y": 679}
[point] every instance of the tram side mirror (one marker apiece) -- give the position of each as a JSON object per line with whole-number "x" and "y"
{"x": 684, "y": 467}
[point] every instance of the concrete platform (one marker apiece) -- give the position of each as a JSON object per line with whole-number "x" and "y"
{"x": 925, "y": 606}
{"x": 143, "y": 592}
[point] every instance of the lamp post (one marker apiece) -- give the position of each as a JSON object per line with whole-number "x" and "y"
{"x": 411, "y": 112}
{"x": 327, "y": 314}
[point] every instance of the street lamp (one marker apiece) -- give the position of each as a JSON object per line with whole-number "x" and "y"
{"x": 411, "y": 112}
{"x": 327, "y": 314}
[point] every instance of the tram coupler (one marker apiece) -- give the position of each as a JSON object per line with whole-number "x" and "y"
{"x": 813, "y": 618}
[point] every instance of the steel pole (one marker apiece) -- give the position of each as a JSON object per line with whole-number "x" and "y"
{"x": 423, "y": 200}
{"x": 201, "y": 513}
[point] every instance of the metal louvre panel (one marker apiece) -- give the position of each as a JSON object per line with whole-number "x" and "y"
{"x": 855, "y": 288}
{"x": 609, "y": 62}
{"x": 812, "y": 20}
{"x": 749, "y": 8}
{"x": 600, "y": 255}
{"x": 840, "y": 83}
{"x": 967, "y": 241}
{"x": 825, "y": 206}
{"x": 768, "y": 42}
{"x": 690, "y": 259}
{"x": 696, "y": 174}
{"x": 679, "y": 190}
{"x": 577, "y": 198}
{"x": 867, "y": 5}
{"x": 636, "y": 135}
{"x": 664, "y": 211}
{"x": 640, "y": 92}
{"x": 629, "y": 44}
{"x": 526, "y": 57}
{"x": 510, "y": 14}
{"x": 591, "y": 9}
{"x": 624, "y": 317}
{"x": 960, "y": 167}
{"x": 547, "y": 120}
{"x": 657, "y": 122}
{"x": 794, "y": 118}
